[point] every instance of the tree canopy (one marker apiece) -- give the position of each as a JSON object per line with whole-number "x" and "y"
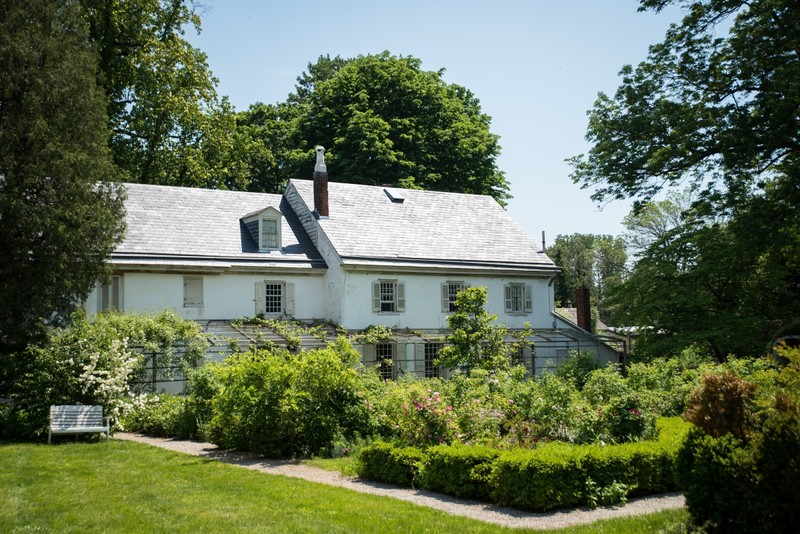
{"x": 714, "y": 108}
{"x": 383, "y": 120}
{"x": 168, "y": 126}
{"x": 719, "y": 113}
{"x": 59, "y": 219}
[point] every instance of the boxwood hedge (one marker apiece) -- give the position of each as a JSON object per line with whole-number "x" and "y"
{"x": 553, "y": 475}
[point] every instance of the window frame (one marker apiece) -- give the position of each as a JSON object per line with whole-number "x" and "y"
{"x": 286, "y": 299}
{"x": 430, "y": 354}
{"x": 449, "y": 296}
{"x": 521, "y": 303}
{"x": 386, "y": 370}
{"x": 110, "y": 296}
{"x": 263, "y": 221}
{"x": 397, "y": 300}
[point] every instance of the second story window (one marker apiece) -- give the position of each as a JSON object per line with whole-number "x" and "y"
{"x": 450, "y": 291}
{"x": 388, "y": 296}
{"x": 274, "y": 297}
{"x": 518, "y": 298}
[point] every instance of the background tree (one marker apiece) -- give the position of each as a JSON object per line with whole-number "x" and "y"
{"x": 59, "y": 215}
{"x": 721, "y": 115}
{"x": 384, "y": 120}
{"x": 587, "y": 260}
{"x": 653, "y": 221}
{"x": 168, "y": 125}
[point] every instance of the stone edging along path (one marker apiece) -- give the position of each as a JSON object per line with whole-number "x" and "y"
{"x": 489, "y": 513}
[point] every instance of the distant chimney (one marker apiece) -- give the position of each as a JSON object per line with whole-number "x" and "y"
{"x": 584, "y": 312}
{"x": 321, "y": 184}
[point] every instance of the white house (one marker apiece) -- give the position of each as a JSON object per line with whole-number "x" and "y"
{"x": 349, "y": 254}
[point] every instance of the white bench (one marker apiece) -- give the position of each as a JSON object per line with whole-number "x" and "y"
{"x": 77, "y": 419}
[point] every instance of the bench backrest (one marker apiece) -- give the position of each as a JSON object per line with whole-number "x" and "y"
{"x": 76, "y": 415}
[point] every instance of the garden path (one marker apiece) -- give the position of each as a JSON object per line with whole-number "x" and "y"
{"x": 473, "y": 509}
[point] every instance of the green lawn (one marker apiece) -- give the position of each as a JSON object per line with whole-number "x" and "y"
{"x": 120, "y": 486}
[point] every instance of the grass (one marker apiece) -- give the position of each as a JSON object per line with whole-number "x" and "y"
{"x": 130, "y": 487}
{"x": 345, "y": 465}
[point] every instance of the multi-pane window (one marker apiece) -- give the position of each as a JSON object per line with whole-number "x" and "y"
{"x": 516, "y": 353}
{"x": 431, "y": 354}
{"x": 384, "y": 354}
{"x": 274, "y": 298}
{"x": 518, "y": 298}
{"x": 192, "y": 291}
{"x": 450, "y": 291}
{"x": 270, "y": 234}
{"x": 388, "y": 296}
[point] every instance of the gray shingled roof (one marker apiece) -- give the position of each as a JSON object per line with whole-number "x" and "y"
{"x": 178, "y": 225}
{"x": 427, "y": 227}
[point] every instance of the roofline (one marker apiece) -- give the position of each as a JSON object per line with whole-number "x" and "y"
{"x": 438, "y": 266}
{"x": 212, "y": 264}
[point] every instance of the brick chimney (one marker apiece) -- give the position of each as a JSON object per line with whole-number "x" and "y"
{"x": 321, "y": 184}
{"x": 583, "y": 308}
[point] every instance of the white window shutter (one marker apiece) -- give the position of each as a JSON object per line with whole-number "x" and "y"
{"x": 111, "y": 295}
{"x": 368, "y": 354}
{"x": 401, "y": 296}
{"x": 261, "y": 298}
{"x": 509, "y": 303}
{"x": 289, "y": 307}
{"x": 192, "y": 291}
{"x": 376, "y": 296}
{"x": 116, "y": 292}
{"x": 445, "y": 297}
{"x": 419, "y": 359}
{"x": 528, "y": 299}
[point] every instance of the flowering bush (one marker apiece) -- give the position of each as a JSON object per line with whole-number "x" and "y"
{"x": 91, "y": 363}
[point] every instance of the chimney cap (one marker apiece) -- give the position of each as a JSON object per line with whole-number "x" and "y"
{"x": 320, "y": 165}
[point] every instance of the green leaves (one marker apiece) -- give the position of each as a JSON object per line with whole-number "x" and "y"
{"x": 717, "y": 115}
{"x": 384, "y": 120}
{"x": 60, "y": 220}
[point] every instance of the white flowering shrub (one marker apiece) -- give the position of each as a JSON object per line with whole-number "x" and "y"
{"x": 95, "y": 363}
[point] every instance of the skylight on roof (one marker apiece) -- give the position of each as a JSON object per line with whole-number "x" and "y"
{"x": 395, "y": 195}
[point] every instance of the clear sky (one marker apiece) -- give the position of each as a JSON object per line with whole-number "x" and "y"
{"x": 536, "y": 66}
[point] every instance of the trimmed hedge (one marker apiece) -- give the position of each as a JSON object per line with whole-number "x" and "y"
{"x": 553, "y": 475}
{"x": 459, "y": 470}
{"x": 386, "y": 462}
{"x": 539, "y": 479}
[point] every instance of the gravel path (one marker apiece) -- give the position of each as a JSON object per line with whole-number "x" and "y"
{"x": 507, "y": 517}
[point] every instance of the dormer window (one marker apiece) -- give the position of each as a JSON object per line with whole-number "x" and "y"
{"x": 264, "y": 227}
{"x": 270, "y": 233}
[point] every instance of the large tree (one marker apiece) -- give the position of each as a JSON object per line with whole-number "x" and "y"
{"x": 720, "y": 113}
{"x": 597, "y": 262}
{"x": 168, "y": 126}
{"x": 59, "y": 218}
{"x": 385, "y": 120}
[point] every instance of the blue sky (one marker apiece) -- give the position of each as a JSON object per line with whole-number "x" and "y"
{"x": 536, "y": 67}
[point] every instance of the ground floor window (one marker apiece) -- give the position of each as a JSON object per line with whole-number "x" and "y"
{"x": 431, "y": 354}
{"x": 517, "y": 353}
{"x": 384, "y": 354}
